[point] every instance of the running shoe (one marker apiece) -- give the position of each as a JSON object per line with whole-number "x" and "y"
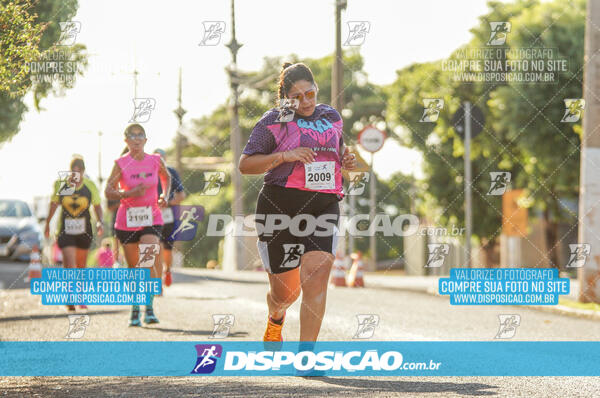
{"x": 273, "y": 332}
{"x": 168, "y": 278}
{"x": 134, "y": 320}
{"x": 150, "y": 317}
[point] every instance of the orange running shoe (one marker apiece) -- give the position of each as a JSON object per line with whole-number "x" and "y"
{"x": 273, "y": 332}
{"x": 168, "y": 278}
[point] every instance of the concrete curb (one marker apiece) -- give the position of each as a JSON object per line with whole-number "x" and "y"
{"x": 426, "y": 285}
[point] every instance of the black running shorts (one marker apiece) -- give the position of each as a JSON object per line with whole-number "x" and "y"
{"x": 80, "y": 241}
{"x": 126, "y": 237}
{"x": 165, "y": 237}
{"x": 313, "y": 225}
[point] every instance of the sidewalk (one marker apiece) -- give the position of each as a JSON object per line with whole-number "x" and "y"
{"x": 429, "y": 285}
{"x": 379, "y": 280}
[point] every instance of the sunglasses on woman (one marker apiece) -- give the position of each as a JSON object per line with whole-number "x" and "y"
{"x": 309, "y": 95}
{"x": 139, "y": 136}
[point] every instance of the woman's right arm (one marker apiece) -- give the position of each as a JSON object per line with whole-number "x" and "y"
{"x": 51, "y": 211}
{"x": 260, "y": 163}
{"x": 112, "y": 191}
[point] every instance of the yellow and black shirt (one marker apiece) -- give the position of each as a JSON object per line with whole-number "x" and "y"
{"x": 75, "y": 216}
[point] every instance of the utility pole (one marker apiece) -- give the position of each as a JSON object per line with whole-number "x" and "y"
{"x": 100, "y": 179}
{"x": 135, "y": 82}
{"x": 589, "y": 184}
{"x": 372, "y": 211}
{"x": 468, "y": 182}
{"x": 237, "y": 205}
{"x": 337, "y": 101}
{"x": 179, "y": 112}
{"x": 337, "y": 74}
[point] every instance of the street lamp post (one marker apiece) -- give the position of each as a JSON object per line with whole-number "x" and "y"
{"x": 179, "y": 112}
{"x": 236, "y": 178}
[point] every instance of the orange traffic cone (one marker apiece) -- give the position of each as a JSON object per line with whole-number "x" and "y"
{"x": 35, "y": 267}
{"x": 356, "y": 275}
{"x": 338, "y": 274}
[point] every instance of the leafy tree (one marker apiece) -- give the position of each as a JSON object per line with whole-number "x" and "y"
{"x": 29, "y": 35}
{"x": 522, "y": 133}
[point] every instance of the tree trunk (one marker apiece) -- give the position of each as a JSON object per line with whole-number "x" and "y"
{"x": 551, "y": 230}
{"x": 489, "y": 247}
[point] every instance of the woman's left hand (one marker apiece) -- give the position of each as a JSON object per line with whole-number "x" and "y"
{"x": 162, "y": 202}
{"x": 349, "y": 161}
{"x": 99, "y": 229}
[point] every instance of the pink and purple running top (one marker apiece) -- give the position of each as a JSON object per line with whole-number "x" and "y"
{"x": 322, "y": 131}
{"x": 133, "y": 173}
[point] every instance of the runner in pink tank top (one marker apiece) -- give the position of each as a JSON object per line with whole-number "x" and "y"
{"x": 133, "y": 181}
{"x": 134, "y": 172}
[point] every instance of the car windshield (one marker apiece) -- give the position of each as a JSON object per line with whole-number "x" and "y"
{"x": 14, "y": 208}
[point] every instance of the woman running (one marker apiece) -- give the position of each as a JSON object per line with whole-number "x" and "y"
{"x": 302, "y": 159}
{"x": 76, "y": 194}
{"x": 139, "y": 219}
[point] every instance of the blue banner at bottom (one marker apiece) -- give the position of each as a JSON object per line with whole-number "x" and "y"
{"x": 326, "y": 358}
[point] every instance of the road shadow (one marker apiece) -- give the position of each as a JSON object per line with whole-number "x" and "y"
{"x": 55, "y": 316}
{"x": 232, "y": 387}
{"x": 198, "y": 332}
{"x": 473, "y": 389}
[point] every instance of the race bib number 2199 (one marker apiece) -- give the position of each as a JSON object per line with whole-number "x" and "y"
{"x": 139, "y": 217}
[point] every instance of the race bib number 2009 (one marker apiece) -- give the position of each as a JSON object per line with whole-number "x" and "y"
{"x": 320, "y": 175}
{"x": 139, "y": 217}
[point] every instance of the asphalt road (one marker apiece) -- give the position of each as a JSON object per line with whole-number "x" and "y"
{"x": 186, "y": 309}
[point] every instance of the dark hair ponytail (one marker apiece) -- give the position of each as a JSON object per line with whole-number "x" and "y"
{"x": 290, "y": 74}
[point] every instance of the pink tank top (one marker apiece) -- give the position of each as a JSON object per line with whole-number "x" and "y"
{"x": 133, "y": 173}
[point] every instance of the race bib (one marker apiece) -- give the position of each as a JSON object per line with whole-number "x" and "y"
{"x": 139, "y": 217}
{"x": 167, "y": 215}
{"x": 319, "y": 175}
{"x": 74, "y": 226}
